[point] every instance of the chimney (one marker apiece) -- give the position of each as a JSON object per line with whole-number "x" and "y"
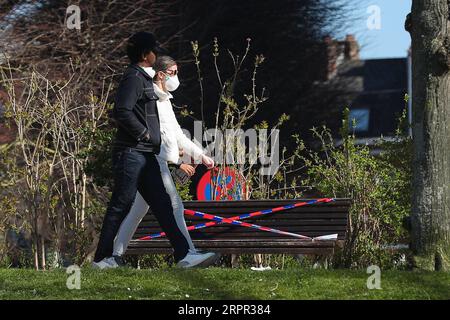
{"x": 330, "y": 63}
{"x": 351, "y": 48}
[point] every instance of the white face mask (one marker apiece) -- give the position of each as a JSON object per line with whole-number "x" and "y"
{"x": 150, "y": 71}
{"x": 172, "y": 83}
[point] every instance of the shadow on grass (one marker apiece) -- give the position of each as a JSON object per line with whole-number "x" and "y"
{"x": 197, "y": 279}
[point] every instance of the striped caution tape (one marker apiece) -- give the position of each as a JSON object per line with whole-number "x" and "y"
{"x": 235, "y": 220}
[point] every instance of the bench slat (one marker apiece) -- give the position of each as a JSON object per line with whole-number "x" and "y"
{"x": 267, "y": 236}
{"x": 236, "y": 232}
{"x": 243, "y": 250}
{"x": 299, "y": 210}
{"x": 271, "y": 222}
{"x": 262, "y": 203}
{"x": 240, "y": 243}
{"x": 240, "y": 246}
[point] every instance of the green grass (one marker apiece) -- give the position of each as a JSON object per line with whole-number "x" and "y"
{"x": 219, "y": 283}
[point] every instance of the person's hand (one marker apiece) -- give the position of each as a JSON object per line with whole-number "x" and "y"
{"x": 207, "y": 161}
{"x": 146, "y": 138}
{"x": 188, "y": 169}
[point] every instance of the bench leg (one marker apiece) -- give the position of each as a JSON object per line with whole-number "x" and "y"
{"x": 258, "y": 260}
{"x": 321, "y": 261}
{"x": 234, "y": 260}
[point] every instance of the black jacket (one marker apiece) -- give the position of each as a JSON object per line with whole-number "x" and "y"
{"x": 136, "y": 113}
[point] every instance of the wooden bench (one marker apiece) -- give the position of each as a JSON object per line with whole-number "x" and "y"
{"x": 310, "y": 220}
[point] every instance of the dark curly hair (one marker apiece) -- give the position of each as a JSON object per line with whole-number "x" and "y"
{"x": 139, "y": 45}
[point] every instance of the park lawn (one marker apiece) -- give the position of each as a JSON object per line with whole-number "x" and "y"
{"x": 222, "y": 283}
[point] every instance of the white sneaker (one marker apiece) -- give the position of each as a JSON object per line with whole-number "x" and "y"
{"x": 197, "y": 259}
{"x": 106, "y": 263}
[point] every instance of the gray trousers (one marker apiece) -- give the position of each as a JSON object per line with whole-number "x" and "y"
{"x": 140, "y": 209}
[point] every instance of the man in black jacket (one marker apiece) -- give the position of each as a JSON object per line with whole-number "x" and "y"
{"x": 135, "y": 167}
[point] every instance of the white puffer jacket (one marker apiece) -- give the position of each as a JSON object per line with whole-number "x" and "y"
{"x": 172, "y": 137}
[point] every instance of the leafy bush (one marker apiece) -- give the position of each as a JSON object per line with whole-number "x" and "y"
{"x": 379, "y": 187}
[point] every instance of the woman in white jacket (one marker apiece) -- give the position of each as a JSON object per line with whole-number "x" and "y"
{"x": 165, "y": 78}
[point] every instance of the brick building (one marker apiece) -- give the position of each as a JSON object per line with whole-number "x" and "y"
{"x": 374, "y": 89}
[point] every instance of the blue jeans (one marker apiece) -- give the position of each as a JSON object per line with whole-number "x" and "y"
{"x": 140, "y": 209}
{"x": 139, "y": 171}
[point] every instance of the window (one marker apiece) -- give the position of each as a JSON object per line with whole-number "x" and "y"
{"x": 359, "y": 118}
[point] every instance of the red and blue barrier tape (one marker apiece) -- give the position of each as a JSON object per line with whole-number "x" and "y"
{"x": 235, "y": 220}
{"x": 244, "y": 224}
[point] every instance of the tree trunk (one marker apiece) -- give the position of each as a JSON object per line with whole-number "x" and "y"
{"x": 83, "y": 199}
{"x": 35, "y": 254}
{"x": 429, "y": 27}
{"x": 43, "y": 259}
